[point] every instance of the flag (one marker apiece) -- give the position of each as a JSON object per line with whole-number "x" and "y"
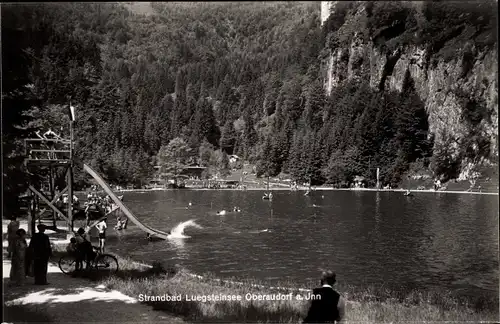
{"x": 71, "y": 112}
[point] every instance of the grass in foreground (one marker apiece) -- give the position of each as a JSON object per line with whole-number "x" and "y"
{"x": 370, "y": 305}
{"x": 374, "y": 304}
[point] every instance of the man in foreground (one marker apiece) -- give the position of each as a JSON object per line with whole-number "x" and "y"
{"x": 41, "y": 251}
{"x": 329, "y": 307}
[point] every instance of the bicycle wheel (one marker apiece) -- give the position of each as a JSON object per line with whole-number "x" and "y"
{"x": 106, "y": 263}
{"x": 67, "y": 264}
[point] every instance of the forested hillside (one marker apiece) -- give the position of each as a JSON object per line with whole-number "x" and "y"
{"x": 220, "y": 78}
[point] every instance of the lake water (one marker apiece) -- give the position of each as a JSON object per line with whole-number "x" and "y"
{"x": 429, "y": 240}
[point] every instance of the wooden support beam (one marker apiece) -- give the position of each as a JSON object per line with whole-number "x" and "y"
{"x": 99, "y": 209}
{"x": 55, "y": 199}
{"x": 103, "y": 217}
{"x": 46, "y": 200}
{"x": 31, "y": 214}
{"x": 46, "y": 163}
{"x": 49, "y": 151}
{"x": 53, "y": 140}
{"x": 52, "y": 194}
{"x": 70, "y": 172}
{"x": 36, "y": 208}
{"x": 69, "y": 180}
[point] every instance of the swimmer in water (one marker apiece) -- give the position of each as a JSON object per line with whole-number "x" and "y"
{"x": 236, "y": 209}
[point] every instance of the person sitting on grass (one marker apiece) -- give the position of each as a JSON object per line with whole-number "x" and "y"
{"x": 329, "y": 307}
{"x": 124, "y": 222}
{"x": 118, "y": 225}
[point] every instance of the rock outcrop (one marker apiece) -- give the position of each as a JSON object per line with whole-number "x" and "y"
{"x": 445, "y": 83}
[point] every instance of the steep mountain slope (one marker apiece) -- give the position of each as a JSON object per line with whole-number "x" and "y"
{"x": 408, "y": 86}
{"x": 448, "y": 50}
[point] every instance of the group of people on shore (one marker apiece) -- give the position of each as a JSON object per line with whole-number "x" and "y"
{"x": 81, "y": 248}
{"x": 97, "y": 207}
{"x": 28, "y": 259}
{"x": 32, "y": 260}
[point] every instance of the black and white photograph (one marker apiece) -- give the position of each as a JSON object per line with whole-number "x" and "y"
{"x": 250, "y": 162}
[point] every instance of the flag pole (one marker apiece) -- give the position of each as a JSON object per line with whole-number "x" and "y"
{"x": 70, "y": 134}
{"x": 70, "y": 171}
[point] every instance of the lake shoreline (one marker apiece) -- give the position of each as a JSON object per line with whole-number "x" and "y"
{"x": 151, "y": 285}
{"x": 191, "y": 292}
{"x": 316, "y": 189}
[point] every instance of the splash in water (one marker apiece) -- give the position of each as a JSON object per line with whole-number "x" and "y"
{"x": 267, "y": 230}
{"x": 178, "y": 231}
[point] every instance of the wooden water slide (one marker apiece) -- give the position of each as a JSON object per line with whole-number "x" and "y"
{"x": 128, "y": 213}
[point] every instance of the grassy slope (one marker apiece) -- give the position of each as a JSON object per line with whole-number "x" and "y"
{"x": 365, "y": 306}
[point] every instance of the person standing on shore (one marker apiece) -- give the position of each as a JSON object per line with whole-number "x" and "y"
{"x": 101, "y": 227}
{"x": 41, "y": 251}
{"x": 18, "y": 264}
{"x": 329, "y": 307}
{"x": 85, "y": 251}
{"x": 11, "y": 234}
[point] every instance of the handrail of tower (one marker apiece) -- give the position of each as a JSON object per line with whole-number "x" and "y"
{"x": 47, "y": 149}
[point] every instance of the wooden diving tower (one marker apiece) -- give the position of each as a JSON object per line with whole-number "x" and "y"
{"x": 45, "y": 160}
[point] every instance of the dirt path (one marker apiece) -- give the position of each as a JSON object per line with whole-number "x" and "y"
{"x": 73, "y": 300}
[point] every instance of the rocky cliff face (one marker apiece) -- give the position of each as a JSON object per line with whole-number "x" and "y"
{"x": 447, "y": 85}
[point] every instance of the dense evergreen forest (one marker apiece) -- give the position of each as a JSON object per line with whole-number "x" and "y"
{"x": 194, "y": 83}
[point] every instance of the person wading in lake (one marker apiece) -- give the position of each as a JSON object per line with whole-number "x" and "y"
{"x": 329, "y": 307}
{"x": 41, "y": 251}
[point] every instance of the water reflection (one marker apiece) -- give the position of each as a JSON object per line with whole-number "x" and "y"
{"x": 179, "y": 244}
{"x": 461, "y": 248}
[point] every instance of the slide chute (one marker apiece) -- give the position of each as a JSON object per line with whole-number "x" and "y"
{"x": 128, "y": 213}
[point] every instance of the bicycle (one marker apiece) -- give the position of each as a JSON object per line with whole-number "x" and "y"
{"x": 102, "y": 261}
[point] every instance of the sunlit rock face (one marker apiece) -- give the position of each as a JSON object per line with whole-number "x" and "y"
{"x": 436, "y": 80}
{"x": 326, "y": 6}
